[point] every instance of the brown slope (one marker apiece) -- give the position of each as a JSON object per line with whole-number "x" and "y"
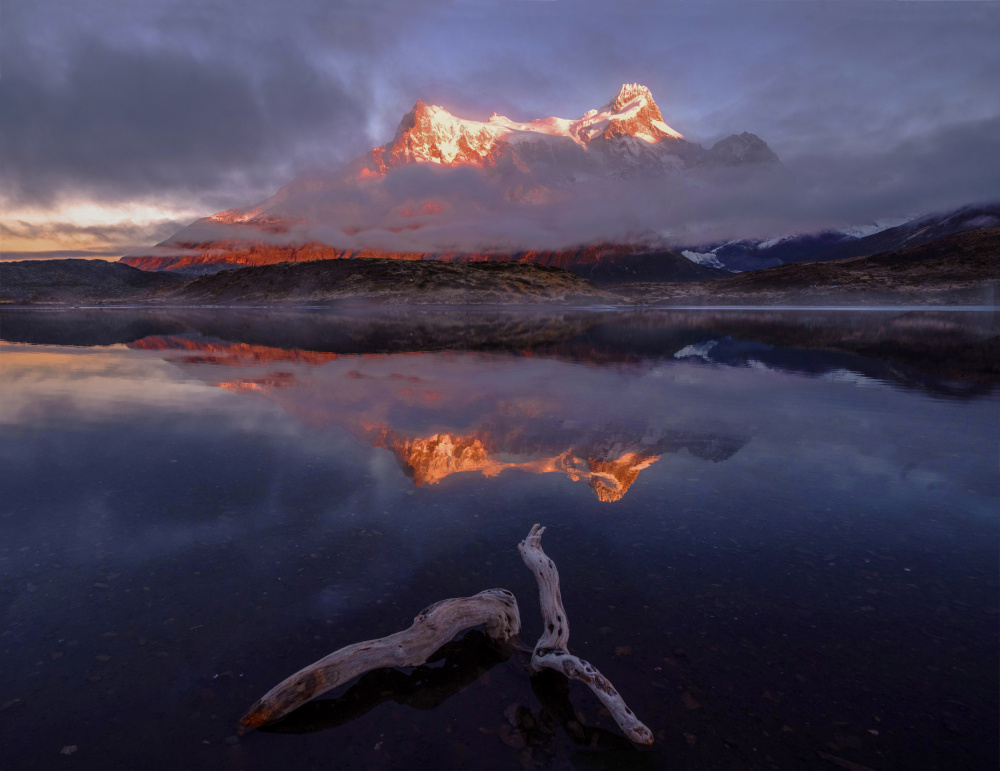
{"x": 418, "y": 282}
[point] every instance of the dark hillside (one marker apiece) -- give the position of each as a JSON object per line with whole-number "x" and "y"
{"x": 425, "y": 282}
{"x": 62, "y": 281}
{"x": 956, "y": 269}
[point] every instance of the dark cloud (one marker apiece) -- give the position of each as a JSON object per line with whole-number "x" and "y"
{"x": 876, "y": 108}
{"x": 119, "y": 121}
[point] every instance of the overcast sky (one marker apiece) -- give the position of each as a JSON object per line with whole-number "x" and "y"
{"x": 121, "y": 121}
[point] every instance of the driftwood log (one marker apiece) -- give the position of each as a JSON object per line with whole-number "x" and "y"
{"x": 550, "y": 650}
{"x": 495, "y": 609}
{"x": 460, "y": 663}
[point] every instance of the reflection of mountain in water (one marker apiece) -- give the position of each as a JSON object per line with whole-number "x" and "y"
{"x": 227, "y": 354}
{"x": 431, "y": 459}
{"x": 605, "y": 456}
{"x": 608, "y": 460}
{"x": 376, "y": 396}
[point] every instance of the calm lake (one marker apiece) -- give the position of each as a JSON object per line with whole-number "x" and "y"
{"x": 777, "y": 534}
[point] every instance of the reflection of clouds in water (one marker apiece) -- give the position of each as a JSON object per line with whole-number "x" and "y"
{"x": 846, "y": 376}
{"x": 364, "y": 586}
{"x": 45, "y": 384}
{"x": 782, "y": 409}
{"x": 385, "y": 474}
{"x": 93, "y": 524}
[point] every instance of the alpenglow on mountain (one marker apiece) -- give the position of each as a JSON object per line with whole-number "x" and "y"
{"x": 451, "y": 188}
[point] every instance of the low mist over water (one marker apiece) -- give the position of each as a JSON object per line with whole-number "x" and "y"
{"x": 776, "y": 533}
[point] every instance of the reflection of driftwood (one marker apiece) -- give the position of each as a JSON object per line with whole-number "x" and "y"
{"x": 496, "y": 609}
{"x": 551, "y": 689}
{"x": 551, "y": 652}
{"x": 432, "y": 629}
{"x": 463, "y": 662}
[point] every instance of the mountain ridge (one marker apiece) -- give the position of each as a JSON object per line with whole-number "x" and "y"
{"x": 825, "y": 245}
{"x": 960, "y": 268}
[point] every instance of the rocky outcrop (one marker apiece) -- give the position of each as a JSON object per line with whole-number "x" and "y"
{"x": 740, "y": 149}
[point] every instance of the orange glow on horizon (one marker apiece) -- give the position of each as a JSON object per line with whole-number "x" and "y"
{"x": 107, "y": 230}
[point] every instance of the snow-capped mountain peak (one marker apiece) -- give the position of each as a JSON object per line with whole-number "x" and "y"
{"x": 431, "y": 134}
{"x": 632, "y": 112}
{"x": 628, "y": 93}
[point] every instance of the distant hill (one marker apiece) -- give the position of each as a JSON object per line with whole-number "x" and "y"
{"x": 959, "y": 268}
{"x": 955, "y": 269}
{"x": 626, "y": 267}
{"x": 921, "y": 231}
{"x": 748, "y": 255}
{"x": 424, "y": 282}
{"x": 59, "y": 281}
{"x": 600, "y": 263}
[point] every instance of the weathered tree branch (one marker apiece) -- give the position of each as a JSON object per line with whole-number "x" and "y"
{"x": 463, "y": 661}
{"x": 496, "y": 609}
{"x": 551, "y": 651}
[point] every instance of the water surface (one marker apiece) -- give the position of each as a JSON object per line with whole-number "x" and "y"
{"x": 777, "y": 534}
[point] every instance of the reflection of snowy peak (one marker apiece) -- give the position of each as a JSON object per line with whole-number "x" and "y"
{"x": 607, "y": 459}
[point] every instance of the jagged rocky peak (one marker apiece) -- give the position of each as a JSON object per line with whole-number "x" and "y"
{"x": 431, "y": 134}
{"x": 628, "y": 93}
{"x": 634, "y": 113}
{"x": 422, "y": 116}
